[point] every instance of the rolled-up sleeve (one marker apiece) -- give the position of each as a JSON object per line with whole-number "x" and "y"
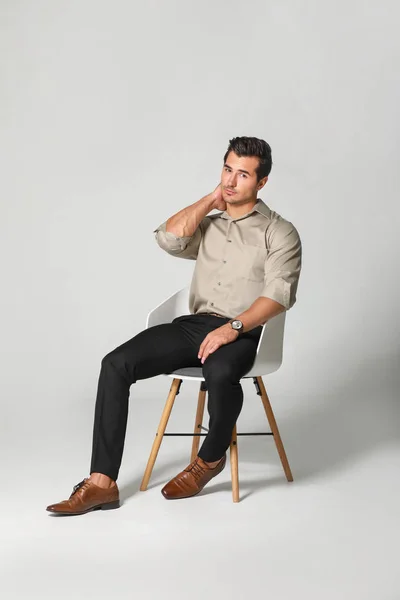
{"x": 182, "y": 247}
{"x": 283, "y": 264}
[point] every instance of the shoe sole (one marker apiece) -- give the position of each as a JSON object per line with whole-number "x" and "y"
{"x": 107, "y": 506}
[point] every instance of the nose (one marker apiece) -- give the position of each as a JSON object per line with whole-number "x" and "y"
{"x": 231, "y": 182}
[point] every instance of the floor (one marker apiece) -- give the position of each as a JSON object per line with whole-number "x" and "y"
{"x": 330, "y": 534}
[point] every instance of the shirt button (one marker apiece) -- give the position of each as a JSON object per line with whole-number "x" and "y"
{"x": 224, "y": 261}
{"x": 212, "y": 303}
{"x": 229, "y": 240}
{"x": 219, "y": 283}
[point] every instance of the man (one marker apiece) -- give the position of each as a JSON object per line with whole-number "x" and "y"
{"x": 248, "y": 262}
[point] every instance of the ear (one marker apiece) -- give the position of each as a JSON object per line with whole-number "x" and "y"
{"x": 262, "y": 182}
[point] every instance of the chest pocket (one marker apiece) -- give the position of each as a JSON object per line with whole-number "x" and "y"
{"x": 251, "y": 262}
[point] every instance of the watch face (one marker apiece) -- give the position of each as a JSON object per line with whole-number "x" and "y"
{"x": 237, "y": 324}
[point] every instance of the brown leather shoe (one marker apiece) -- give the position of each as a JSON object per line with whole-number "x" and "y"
{"x": 87, "y": 496}
{"x": 191, "y": 480}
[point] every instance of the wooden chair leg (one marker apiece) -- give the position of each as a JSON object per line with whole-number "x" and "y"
{"x": 160, "y": 433}
{"x": 274, "y": 429}
{"x": 234, "y": 466}
{"x": 198, "y": 423}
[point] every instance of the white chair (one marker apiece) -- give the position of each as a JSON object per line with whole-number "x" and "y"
{"x": 268, "y": 359}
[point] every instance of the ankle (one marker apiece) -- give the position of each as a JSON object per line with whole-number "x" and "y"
{"x": 102, "y": 480}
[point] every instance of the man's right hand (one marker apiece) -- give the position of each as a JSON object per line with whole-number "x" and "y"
{"x": 186, "y": 221}
{"x": 219, "y": 203}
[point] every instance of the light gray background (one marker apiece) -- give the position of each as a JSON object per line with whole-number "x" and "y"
{"x": 115, "y": 115}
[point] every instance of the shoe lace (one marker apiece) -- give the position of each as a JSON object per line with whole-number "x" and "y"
{"x": 79, "y": 486}
{"x": 196, "y": 470}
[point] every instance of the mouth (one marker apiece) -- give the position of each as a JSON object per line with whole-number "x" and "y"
{"x": 230, "y": 192}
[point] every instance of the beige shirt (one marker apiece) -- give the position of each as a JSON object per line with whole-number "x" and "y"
{"x": 238, "y": 260}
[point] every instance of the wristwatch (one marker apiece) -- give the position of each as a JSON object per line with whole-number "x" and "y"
{"x": 237, "y": 325}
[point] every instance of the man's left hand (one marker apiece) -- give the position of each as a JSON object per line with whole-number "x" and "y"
{"x": 216, "y": 338}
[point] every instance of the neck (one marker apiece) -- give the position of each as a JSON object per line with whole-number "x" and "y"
{"x": 236, "y": 210}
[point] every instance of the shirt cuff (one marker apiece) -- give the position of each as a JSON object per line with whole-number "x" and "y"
{"x": 281, "y": 291}
{"x": 170, "y": 241}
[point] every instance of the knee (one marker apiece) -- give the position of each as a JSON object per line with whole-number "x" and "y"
{"x": 116, "y": 363}
{"x": 114, "y": 359}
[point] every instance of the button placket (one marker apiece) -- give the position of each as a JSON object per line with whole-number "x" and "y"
{"x": 227, "y": 238}
{"x": 224, "y": 261}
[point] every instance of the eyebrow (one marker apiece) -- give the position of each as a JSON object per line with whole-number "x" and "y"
{"x": 240, "y": 170}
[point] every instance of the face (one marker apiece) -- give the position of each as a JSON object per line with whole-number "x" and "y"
{"x": 239, "y": 175}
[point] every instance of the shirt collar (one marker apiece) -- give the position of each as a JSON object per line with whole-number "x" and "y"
{"x": 259, "y": 207}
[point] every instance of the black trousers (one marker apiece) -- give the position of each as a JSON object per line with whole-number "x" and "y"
{"x": 163, "y": 349}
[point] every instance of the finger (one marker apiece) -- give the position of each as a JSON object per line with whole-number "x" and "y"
{"x": 210, "y": 350}
{"x": 203, "y": 346}
{"x": 201, "y": 349}
{"x": 214, "y": 347}
{"x": 205, "y": 351}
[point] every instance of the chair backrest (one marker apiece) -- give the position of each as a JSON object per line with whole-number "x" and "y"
{"x": 270, "y": 346}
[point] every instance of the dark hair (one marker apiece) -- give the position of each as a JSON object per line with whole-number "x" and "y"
{"x": 252, "y": 146}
